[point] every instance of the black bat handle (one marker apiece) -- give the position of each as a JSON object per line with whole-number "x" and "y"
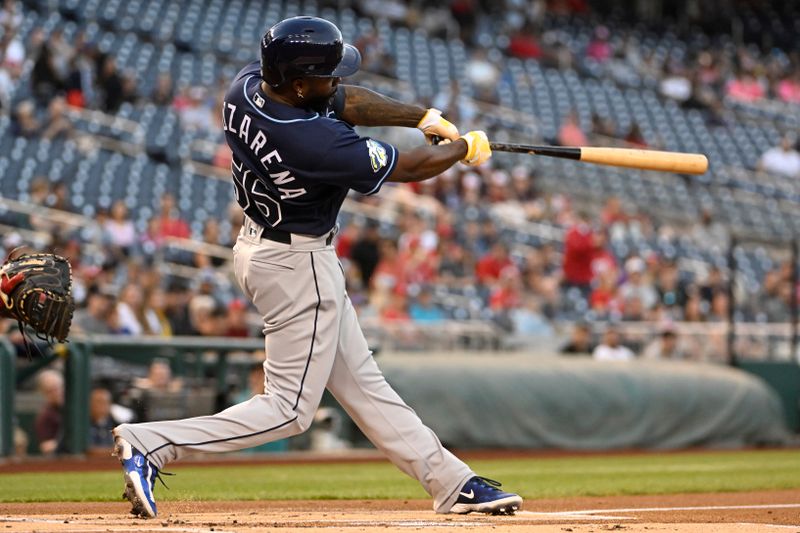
{"x": 564, "y": 152}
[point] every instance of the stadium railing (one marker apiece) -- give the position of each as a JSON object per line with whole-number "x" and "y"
{"x": 202, "y": 352}
{"x": 118, "y": 127}
{"x": 8, "y": 356}
{"x": 753, "y": 341}
{"x": 447, "y": 335}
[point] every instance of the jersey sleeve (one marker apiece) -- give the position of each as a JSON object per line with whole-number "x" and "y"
{"x": 358, "y": 163}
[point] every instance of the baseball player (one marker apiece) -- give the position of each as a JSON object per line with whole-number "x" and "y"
{"x": 290, "y": 124}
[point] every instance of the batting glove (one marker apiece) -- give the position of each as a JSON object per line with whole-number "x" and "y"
{"x": 433, "y": 125}
{"x": 478, "y": 150}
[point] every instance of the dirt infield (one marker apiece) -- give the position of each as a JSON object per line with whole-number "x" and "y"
{"x": 764, "y": 511}
{"x": 767, "y": 511}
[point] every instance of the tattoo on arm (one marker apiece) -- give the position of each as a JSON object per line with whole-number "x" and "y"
{"x": 363, "y": 107}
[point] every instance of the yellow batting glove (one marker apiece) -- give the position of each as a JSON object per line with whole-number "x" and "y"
{"x": 478, "y": 150}
{"x": 433, "y": 125}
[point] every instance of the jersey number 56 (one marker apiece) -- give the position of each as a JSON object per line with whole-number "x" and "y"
{"x": 253, "y": 196}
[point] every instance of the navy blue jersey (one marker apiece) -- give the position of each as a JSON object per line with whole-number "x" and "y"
{"x": 292, "y": 167}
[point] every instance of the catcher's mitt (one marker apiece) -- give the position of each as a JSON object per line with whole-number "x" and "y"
{"x": 36, "y": 290}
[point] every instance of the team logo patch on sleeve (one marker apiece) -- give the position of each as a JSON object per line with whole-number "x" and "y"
{"x": 377, "y": 155}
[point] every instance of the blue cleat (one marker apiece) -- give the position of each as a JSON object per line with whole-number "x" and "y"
{"x": 482, "y": 495}
{"x": 140, "y": 475}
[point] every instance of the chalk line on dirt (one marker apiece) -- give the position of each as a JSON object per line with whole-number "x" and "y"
{"x": 109, "y": 527}
{"x": 668, "y": 509}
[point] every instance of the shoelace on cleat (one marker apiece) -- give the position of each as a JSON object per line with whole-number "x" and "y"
{"x": 159, "y": 473}
{"x": 158, "y": 477}
{"x": 489, "y": 483}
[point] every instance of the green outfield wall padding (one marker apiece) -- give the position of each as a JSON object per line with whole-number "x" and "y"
{"x": 785, "y": 379}
{"x": 8, "y": 361}
{"x": 518, "y": 401}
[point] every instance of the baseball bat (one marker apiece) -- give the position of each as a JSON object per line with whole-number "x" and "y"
{"x": 681, "y": 162}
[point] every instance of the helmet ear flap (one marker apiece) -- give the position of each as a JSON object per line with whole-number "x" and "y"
{"x": 273, "y": 79}
{"x": 273, "y": 68}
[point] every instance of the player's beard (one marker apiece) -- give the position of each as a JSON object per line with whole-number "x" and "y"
{"x": 320, "y": 103}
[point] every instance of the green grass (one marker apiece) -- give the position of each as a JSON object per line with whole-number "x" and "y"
{"x": 532, "y": 478}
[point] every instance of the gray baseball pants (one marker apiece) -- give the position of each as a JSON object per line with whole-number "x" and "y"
{"x": 313, "y": 341}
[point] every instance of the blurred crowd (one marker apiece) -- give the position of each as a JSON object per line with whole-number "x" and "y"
{"x": 444, "y": 257}
{"x": 457, "y": 247}
{"x": 58, "y": 73}
{"x": 702, "y": 73}
{"x": 702, "y": 70}
{"x": 705, "y": 69}
{"x": 419, "y": 269}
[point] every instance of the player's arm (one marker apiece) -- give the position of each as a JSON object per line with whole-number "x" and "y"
{"x": 363, "y": 164}
{"x": 427, "y": 161}
{"x": 363, "y": 107}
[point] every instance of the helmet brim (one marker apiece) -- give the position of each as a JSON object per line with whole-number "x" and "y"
{"x": 350, "y": 63}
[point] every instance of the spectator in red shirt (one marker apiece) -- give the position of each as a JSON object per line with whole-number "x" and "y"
{"x": 789, "y": 88}
{"x": 524, "y": 45}
{"x": 570, "y": 132}
{"x": 222, "y": 156}
{"x": 465, "y": 13}
{"x": 604, "y": 297}
{"x": 506, "y": 294}
{"x": 599, "y": 49}
{"x": 745, "y": 88}
{"x": 345, "y": 240}
{"x": 489, "y": 267}
{"x": 579, "y": 250}
{"x": 567, "y": 7}
{"x": 236, "y": 319}
{"x": 420, "y": 263}
{"x": 396, "y": 308}
{"x": 169, "y": 224}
